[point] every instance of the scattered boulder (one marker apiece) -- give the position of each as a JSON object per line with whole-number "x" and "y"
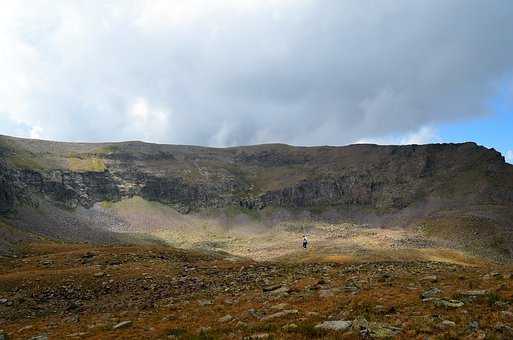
{"x": 280, "y": 306}
{"x": 446, "y": 324}
{"x": 226, "y": 318}
{"x": 473, "y": 326}
{"x": 258, "y": 336}
{"x": 271, "y": 288}
{"x": 430, "y": 293}
{"x": 380, "y": 330}
{"x": 430, "y": 278}
{"x": 448, "y": 303}
{"x": 335, "y": 325}
{"x": 280, "y": 314}
{"x": 123, "y": 324}
{"x": 43, "y": 336}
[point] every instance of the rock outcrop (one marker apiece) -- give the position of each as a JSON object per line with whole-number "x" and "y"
{"x": 188, "y": 178}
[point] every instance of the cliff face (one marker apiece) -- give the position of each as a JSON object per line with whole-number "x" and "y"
{"x": 383, "y": 178}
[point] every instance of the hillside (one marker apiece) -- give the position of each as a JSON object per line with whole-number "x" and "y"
{"x": 72, "y": 191}
{"x": 134, "y": 240}
{"x": 356, "y": 176}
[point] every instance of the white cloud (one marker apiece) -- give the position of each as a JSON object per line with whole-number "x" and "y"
{"x": 148, "y": 122}
{"x": 35, "y": 132}
{"x": 509, "y": 156}
{"x": 245, "y": 71}
{"x": 424, "y": 135}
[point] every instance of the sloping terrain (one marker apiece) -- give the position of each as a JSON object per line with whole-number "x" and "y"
{"x": 135, "y": 240}
{"x": 460, "y": 195}
{"x": 131, "y": 292}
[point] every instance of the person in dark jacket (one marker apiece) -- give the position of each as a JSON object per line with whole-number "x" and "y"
{"x": 305, "y": 241}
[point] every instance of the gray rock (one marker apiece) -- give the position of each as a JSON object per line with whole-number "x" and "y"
{"x": 280, "y": 291}
{"x": 473, "y": 326}
{"x": 448, "y": 303}
{"x": 259, "y": 336}
{"x": 380, "y": 330}
{"x": 123, "y": 324}
{"x": 271, "y": 288}
{"x": 335, "y": 325}
{"x": 446, "y": 324}
{"x": 280, "y": 314}
{"x": 430, "y": 278}
{"x": 226, "y": 318}
{"x": 430, "y": 293}
{"x": 43, "y": 336}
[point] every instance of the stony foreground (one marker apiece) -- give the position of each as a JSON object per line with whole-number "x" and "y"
{"x": 79, "y": 291}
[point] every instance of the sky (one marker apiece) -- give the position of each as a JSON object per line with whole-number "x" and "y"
{"x": 238, "y": 72}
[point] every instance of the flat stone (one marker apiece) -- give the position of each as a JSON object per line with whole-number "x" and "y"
{"x": 40, "y": 337}
{"x": 271, "y": 288}
{"x": 123, "y": 324}
{"x": 446, "y": 324}
{"x": 280, "y": 314}
{"x": 430, "y": 293}
{"x": 282, "y": 290}
{"x": 430, "y": 278}
{"x": 448, "y": 303}
{"x": 259, "y": 336}
{"x": 226, "y": 318}
{"x": 381, "y": 330}
{"x": 76, "y": 335}
{"x": 280, "y": 306}
{"x": 335, "y": 325}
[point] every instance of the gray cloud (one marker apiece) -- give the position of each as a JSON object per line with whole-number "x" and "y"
{"x": 242, "y": 72}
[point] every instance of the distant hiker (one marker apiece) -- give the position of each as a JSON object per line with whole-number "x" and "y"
{"x": 305, "y": 241}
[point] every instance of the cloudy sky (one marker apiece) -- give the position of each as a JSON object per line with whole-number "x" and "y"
{"x": 223, "y": 72}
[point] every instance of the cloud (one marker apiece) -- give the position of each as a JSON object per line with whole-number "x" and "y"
{"x": 249, "y": 71}
{"x": 509, "y": 156}
{"x": 424, "y": 135}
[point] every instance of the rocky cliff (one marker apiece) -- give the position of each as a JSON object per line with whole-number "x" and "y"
{"x": 379, "y": 178}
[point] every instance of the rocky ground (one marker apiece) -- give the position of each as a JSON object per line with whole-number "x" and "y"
{"x": 60, "y": 291}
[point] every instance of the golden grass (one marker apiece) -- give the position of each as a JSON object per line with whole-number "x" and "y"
{"x": 86, "y": 164}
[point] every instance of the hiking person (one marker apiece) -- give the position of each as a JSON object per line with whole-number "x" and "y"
{"x": 305, "y": 241}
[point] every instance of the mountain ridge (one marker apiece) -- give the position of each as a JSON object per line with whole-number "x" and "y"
{"x": 366, "y": 183}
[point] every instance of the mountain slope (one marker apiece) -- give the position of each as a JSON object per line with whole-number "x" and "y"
{"x": 387, "y": 185}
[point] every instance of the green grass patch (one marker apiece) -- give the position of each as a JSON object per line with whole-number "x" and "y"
{"x": 25, "y": 161}
{"x": 88, "y": 164}
{"x": 107, "y": 204}
{"x": 106, "y": 149}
